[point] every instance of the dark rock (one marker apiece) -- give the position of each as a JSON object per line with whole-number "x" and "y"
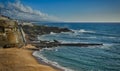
{"x": 34, "y": 31}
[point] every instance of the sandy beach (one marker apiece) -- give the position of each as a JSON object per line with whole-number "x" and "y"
{"x": 20, "y": 59}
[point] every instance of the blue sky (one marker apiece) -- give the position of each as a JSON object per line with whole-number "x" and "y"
{"x": 78, "y": 10}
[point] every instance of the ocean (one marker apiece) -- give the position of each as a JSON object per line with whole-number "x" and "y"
{"x": 91, "y": 58}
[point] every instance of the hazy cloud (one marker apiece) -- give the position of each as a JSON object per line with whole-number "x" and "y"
{"x": 17, "y": 10}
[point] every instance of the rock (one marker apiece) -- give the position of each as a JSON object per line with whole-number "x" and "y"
{"x": 35, "y": 30}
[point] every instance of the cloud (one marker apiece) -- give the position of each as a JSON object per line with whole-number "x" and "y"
{"x": 17, "y": 10}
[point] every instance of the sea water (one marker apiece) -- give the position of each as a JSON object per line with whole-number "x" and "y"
{"x": 91, "y": 58}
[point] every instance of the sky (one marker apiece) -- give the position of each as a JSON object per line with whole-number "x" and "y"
{"x": 74, "y": 10}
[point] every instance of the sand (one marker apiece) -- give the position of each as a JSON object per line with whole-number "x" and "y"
{"x": 20, "y": 59}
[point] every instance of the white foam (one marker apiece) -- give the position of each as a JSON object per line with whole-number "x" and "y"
{"x": 111, "y": 37}
{"x": 52, "y": 33}
{"x": 89, "y": 37}
{"x": 82, "y": 31}
{"x": 63, "y": 41}
{"x": 44, "y": 59}
{"x": 47, "y": 49}
{"x": 106, "y": 46}
{"x": 65, "y": 32}
{"x": 56, "y": 50}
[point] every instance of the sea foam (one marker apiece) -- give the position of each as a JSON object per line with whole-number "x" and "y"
{"x": 52, "y": 33}
{"x": 44, "y": 59}
{"x": 84, "y": 31}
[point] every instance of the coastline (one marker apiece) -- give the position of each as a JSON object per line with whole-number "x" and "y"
{"x": 34, "y": 49}
{"x": 54, "y": 67}
{"x": 40, "y": 60}
{"x": 21, "y": 59}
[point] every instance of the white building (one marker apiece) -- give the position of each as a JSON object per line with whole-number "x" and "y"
{"x": 27, "y": 23}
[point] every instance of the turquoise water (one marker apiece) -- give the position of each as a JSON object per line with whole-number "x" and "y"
{"x": 92, "y": 58}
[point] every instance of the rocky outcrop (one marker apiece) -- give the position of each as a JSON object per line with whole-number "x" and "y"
{"x": 33, "y": 31}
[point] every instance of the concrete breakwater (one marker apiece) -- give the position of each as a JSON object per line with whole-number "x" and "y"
{"x": 55, "y": 44}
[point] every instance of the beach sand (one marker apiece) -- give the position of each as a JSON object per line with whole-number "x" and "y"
{"x": 20, "y": 59}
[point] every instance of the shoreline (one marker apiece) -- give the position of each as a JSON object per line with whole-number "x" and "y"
{"x": 42, "y": 62}
{"x": 21, "y": 59}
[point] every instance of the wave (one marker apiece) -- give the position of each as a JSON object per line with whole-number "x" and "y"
{"x": 105, "y": 34}
{"x": 52, "y": 33}
{"x": 83, "y": 31}
{"x": 91, "y": 37}
{"x": 91, "y": 32}
{"x": 73, "y": 41}
{"x": 111, "y": 37}
{"x": 44, "y": 59}
{"x": 108, "y": 46}
{"x": 66, "y": 33}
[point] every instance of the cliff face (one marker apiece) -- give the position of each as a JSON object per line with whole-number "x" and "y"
{"x": 10, "y": 35}
{"x": 33, "y": 31}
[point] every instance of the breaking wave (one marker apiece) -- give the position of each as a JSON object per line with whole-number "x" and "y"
{"x": 44, "y": 59}
{"x": 83, "y": 31}
{"x": 52, "y": 33}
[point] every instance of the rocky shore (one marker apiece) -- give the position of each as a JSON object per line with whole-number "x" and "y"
{"x": 33, "y": 31}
